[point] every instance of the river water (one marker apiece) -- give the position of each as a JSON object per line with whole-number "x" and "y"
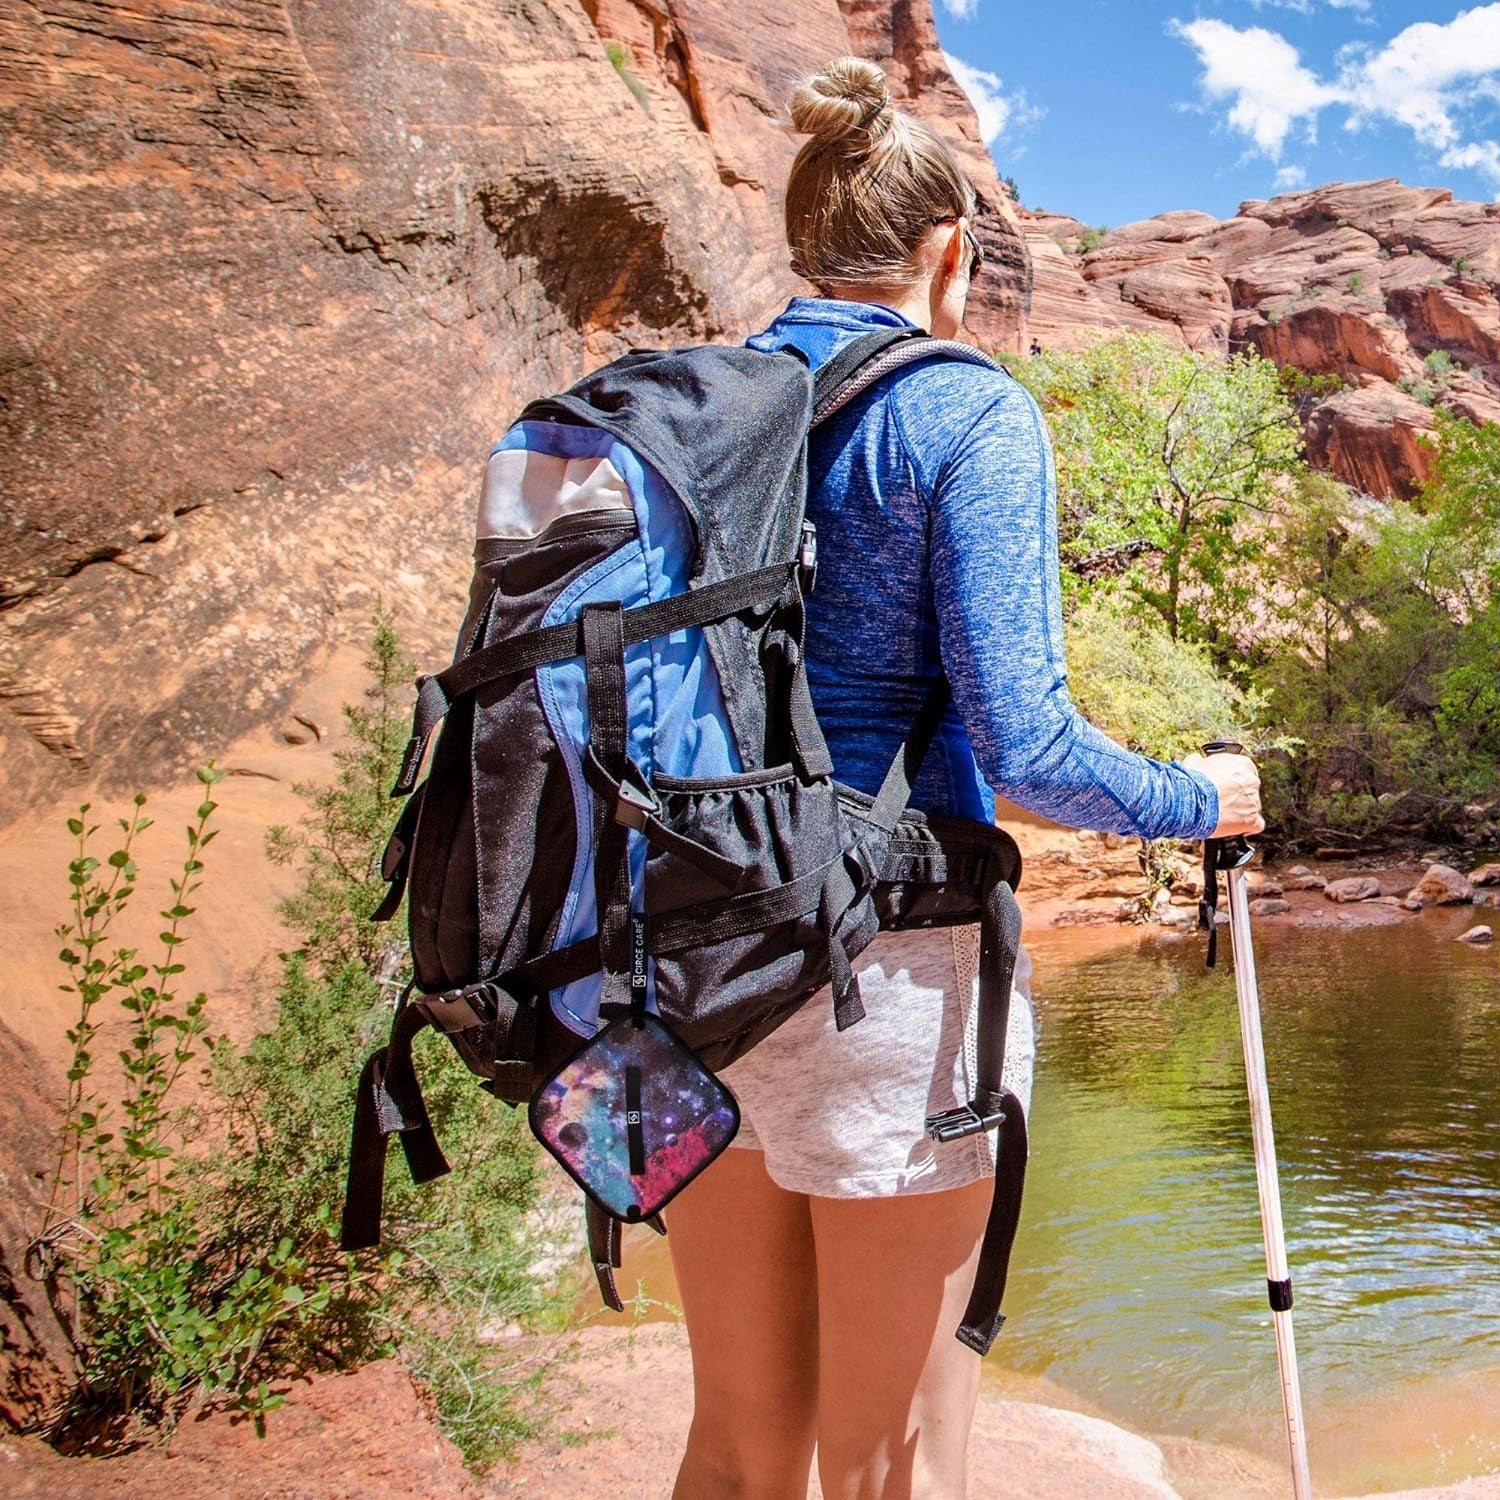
{"x": 1139, "y": 1271}
{"x": 1138, "y": 1281}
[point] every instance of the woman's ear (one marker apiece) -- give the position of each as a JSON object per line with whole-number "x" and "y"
{"x": 953, "y": 251}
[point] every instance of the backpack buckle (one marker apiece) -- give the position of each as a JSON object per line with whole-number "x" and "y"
{"x": 635, "y": 802}
{"x": 807, "y": 558}
{"x": 966, "y": 1120}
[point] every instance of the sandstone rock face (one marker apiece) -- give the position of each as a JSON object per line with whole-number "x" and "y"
{"x": 279, "y": 272}
{"x": 1372, "y": 438}
{"x": 1361, "y": 280}
{"x": 1440, "y": 886}
{"x": 1352, "y": 888}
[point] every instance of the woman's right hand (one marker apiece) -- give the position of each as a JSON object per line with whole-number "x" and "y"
{"x": 1238, "y": 784}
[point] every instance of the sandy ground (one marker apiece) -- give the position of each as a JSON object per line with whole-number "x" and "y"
{"x": 622, "y": 1411}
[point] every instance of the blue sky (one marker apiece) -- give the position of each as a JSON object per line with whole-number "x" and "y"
{"x": 1114, "y": 110}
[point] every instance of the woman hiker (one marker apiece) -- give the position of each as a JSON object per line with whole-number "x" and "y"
{"x": 824, "y": 1264}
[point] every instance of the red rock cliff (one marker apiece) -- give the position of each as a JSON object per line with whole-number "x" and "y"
{"x": 279, "y": 271}
{"x": 1362, "y": 280}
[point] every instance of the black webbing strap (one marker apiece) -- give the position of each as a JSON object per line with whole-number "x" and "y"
{"x": 866, "y": 361}
{"x": 604, "y": 1251}
{"x": 983, "y": 1320}
{"x": 848, "y": 1003}
{"x": 536, "y": 648}
{"x": 395, "y": 862}
{"x": 609, "y": 729}
{"x": 993, "y": 1107}
{"x": 633, "y": 804}
{"x": 388, "y": 1102}
{"x": 809, "y": 748}
{"x": 1208, "y": 904}
{"x": 833, "y": 377}
{"x": 906, "y": 764}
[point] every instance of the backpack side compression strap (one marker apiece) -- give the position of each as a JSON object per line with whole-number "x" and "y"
{"x": 994, "y": 1106}
{"x": 522, "y": 653}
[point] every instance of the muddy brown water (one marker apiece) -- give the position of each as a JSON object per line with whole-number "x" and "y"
{"x": 1138, "y": 1279}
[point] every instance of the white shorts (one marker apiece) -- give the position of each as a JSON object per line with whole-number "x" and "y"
{"x": 841, "y": 1115}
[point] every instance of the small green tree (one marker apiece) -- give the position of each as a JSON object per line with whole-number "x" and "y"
{"x": 1171, "y": 453}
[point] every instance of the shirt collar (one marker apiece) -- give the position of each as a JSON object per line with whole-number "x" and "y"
{"x": 838, "y": 312}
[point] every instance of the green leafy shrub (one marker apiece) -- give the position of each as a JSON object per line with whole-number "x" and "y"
{"x": 1160, "y": 696}
{"x": 157, "y": 1308}
{"x": 620, "y": 59}
{"x": 1439, "y": 363}
{"x": 1090, "y": 237}
{"x": 1355, "y": 284}
{"x": 193, "y": 1252}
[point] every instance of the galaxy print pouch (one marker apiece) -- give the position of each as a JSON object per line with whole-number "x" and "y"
{"x": 633, "y": 1116}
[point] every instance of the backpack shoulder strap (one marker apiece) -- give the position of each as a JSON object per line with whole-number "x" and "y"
{"x": 873, "y": 356}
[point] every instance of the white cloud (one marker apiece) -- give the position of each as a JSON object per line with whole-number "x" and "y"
{"x": 1262, "y": 75}
{"x": 1417, "y": 77}
{"x": 1291, "y": 177}
{"x": 1306, "y": 7}
{"x": 997, "y": 111}
{"x": 963, "y": 9}
{"x": 1424, "y": 78}
{"x": 1477, "y": 156}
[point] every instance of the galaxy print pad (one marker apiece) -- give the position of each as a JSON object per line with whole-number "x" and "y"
{"x": 632, "y": 1117}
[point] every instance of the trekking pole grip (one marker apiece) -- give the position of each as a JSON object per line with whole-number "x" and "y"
{"x": 1219, "y": 854}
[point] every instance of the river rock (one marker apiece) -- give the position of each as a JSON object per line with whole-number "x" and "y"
{"x": 1269, "y": 906}
{"x": 1476, "y": 935}
{"x": 1442, "y": 885}
{"x": 1485, "y": 875}
{"x": 1352, "y": 888}
{"x": 1266, "y": 885}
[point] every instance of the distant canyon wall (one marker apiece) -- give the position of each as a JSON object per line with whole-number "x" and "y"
{"x": 1361, "y": 280}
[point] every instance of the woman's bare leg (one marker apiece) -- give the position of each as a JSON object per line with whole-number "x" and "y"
{"x": 743, "y": 1252}
{"x": 896, "y": 1391}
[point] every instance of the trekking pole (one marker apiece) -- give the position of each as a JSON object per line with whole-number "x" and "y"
{"x": 1231, "y": 856}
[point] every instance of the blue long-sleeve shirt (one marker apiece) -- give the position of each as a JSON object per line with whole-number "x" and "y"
{"x": 935, "y": 500}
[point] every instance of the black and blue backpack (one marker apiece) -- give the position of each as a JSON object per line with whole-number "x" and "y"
{"x": 630, "y": 860}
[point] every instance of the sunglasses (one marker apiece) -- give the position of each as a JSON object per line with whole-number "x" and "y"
{"x": 976, "y": 255}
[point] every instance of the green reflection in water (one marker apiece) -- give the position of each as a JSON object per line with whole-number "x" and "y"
{"x": 1139, "y": 1273}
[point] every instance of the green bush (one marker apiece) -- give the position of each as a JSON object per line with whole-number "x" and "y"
{"x": 1439, "y": 363}
{"x": 193, "y": 1252}
{"x": 1159, "y": 696}
{"x": 157, "y": 1308}
{"x": 620, "y": 60}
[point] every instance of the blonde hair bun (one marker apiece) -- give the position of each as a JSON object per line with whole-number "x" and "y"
{"x": 847, "y": 104}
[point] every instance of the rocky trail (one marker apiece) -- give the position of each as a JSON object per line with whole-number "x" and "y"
{"x": 623, "y": 1411}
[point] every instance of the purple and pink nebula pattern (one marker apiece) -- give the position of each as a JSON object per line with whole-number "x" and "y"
{"x": 687, "y": 1117}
